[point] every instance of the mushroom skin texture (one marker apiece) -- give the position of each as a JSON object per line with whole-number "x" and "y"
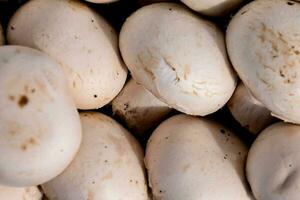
{"x": 273, "y": 163}
{"x": 12, "y": 193}
{"x": 39, "y": 124}
{"x": 264, "y": 48}
{"x": 212, "y": 7}
{"x": 139, "y": 109}
{"x": 109, "y": 165}
{"x": 178, "y": 57}
{"x": 101, "y": 1}
{"x": 81, "y": 40}
{"x": 191, "y": 158}
{"x": 249, "y": 112}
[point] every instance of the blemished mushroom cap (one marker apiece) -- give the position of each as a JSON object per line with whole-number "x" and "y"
{"x": 273, "y": 163}
{"x": 12, "y": 193}
{"x": 178, "y": 57}
{"x": 39, "y": 124}
{"x": 212, "y": 7}
{"x": 263, "y": 41}
{"x": 192, "y": 158}
{"x": 139, "y": 109}
{"x": 81, "y": 40}
{"x": 109, "y": 165}
{"x": 249, "y": 112}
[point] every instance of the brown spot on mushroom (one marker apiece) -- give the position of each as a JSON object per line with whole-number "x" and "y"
{"x": 126, "y": 106}
{"x": 74, "y": 84}
{"x": 12, "y": 98}
{"x": 297, "y": 52}
{"x": 95, "y": 96}
{"x": 90, "y": 195}
{"x": 12, "y": 27}
{"x": 23, "y": 101}
{"x": 244, "y": 12}
{"x": 290, "y": 3}
{"x": 187, "y": 71}
{"x": 186, "y": 167}
{"x": 150, "y": 73}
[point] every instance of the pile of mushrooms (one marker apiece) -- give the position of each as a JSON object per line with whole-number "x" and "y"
{"x": 156, "y": 101}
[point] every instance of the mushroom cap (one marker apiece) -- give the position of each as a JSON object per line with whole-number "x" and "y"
{"x": 39, "y": 124}
{"x": 12, "y": 193}
{"x": 109, "y": 165}
{"x": 178, "y": 57}
{"x": 81, "y": 40}
{"x": 273, "y": 163}
{"x": 192, "y": 158}
{"x": 249, "y": 112}
{"x": 212, "y": 7}
{"x": 263, "y": 41}
{"x": 139, "y": 109}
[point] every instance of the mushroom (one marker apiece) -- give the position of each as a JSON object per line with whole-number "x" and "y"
{"x": 12, "y": 193}
{"x": 249, "y": 112}
{"x": 139, "y": 109}
{"x": 80, "y": 40}
{"x": 39, "y": 124}
{"x": 264, "y": 47}
{"x": 273, "y": 163}
{"x": 178, "y": 57}
{"x": 192, "y": 158}
{"x": 109, "y": 165}
{"x": 212, "y": 8}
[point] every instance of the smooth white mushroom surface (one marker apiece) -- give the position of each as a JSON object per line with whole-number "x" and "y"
{"x": 191, "y": 158}
{"x": 12, "y": 193}
{"x": 179, "y": 57}
{"x": 273, "y": 163}
{"x": 212, "y": 7}
{"x": 263, "y": 41}
{"x": 139, "y": 109}
{"x": 39, "y": 124}
{"x": 108, "y": 166}
{"x": 83, "y": 43}
{"x": 249, "y": 112}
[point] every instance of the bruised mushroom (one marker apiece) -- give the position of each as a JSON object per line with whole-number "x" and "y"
{"x": 178, "y": 57}
{"x": 80, "y": 40}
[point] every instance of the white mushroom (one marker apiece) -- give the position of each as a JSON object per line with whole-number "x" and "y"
{"x": 39, "y": 124}
{"x": 263, "y": 41}
{"x": 273, "y": 163}
{"x": 249, "y": 112}
{"x": 109, "y": 165}
{"x": 212, "y": 7}
{"x": 179, "y": 57}
{"x": 12, "y": 193}
{"x": 139, "y": 109}
{"x": 192, "y": 158}
{"x": 80, "y": 40}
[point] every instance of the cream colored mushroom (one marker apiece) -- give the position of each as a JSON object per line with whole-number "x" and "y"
{"x": 109, "y": 165}
{"x": 191, "y": 158}
{"x": 273, "y": 163}
{"x": 12, "y": 193}
{"x": 212, "y": 7}
{"x": 178, "y": 57}
{"x": 263, "y": 41}
{"x": 139, "y": 109}
{"x": 249, "y": 112}
{"x": 39, "y": 124}
{"x": 80, "y": 40}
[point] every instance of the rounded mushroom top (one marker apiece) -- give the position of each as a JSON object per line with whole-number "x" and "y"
{"x": 39, "y": 124}
{"x": 192, "y": 158}
{"x": 212, "y": 7}
{"x": 179, "y": 57}
{"x": 273, "y": 163}
{"x": 263, "y": 41}
{"x": 109, "y": 165}
{"x": 81, "y": 40}
{"x": 12, "y": 193}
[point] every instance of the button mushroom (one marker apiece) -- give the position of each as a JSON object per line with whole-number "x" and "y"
{"x": 179, "y": 57}
{"x": 80, "y": 40}
{"x": 212, "y": 7}
{"x": 263, "y": 41}
{"x": 108, "y": 166}
{"x": 273, "y": 163}
{"x": 39, "y": 124}
{"x": 139, "y": 109}
{"x": 12, "y": 193}
{"x": 191, "y": 158}
{"x": 249, "y": 112}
